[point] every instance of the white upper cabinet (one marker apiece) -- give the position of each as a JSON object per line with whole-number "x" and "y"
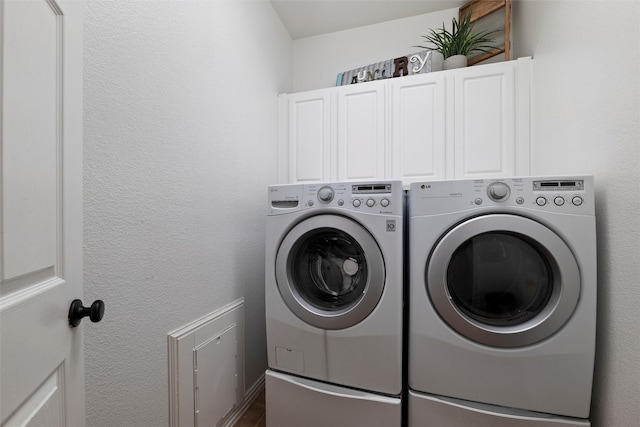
{"x": 309, "y": 137}
{"x": 361, "y": 125}
{"x": 418, "y": 145}
{"x": 469, "y": 122}
{"x": 484, "y": 121}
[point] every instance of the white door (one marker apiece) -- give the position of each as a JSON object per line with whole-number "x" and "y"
{"x": 41, "y": 356}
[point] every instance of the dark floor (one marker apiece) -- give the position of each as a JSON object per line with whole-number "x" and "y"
{"x": 254, "y": 416}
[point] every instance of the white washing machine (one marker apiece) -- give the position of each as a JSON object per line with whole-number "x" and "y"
{"x": 502, "y": 301}
{"x": 334, "y": 287}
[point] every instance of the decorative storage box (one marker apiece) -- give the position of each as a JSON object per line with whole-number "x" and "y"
{"x": 416, "y": 63}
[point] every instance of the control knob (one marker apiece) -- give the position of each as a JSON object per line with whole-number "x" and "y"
{"x": 498, "y": 191}
{"x": 325, "y": 194}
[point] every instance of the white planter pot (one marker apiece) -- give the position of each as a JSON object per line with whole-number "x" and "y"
{"x": 455, "y": 61}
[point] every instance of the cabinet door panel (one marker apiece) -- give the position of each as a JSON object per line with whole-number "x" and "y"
{"x": 465, "y": 123}
{"x": 484, "y": 121}
{"x": 309, "y": 136}
{"x": 418, "y": 145}
{"x": 361, "y": 131}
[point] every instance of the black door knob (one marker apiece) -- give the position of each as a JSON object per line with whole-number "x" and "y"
{"x": 77, "y": 312}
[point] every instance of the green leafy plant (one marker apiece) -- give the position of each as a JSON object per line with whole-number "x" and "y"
{"x": 461, "y": 40}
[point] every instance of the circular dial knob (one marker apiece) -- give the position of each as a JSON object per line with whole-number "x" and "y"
{"x": 498, "y": 191}
{"x": 325, "y": 194}
{"x": 77, "y": 312}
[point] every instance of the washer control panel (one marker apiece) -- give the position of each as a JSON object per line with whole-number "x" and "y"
{"x": 376, "y": 197}
{"x": 562, "y": 194}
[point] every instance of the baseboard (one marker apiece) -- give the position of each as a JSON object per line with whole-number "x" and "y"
{"x": 249, "y": 397}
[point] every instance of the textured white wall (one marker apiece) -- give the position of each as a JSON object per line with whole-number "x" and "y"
{"x": 586, "y": 120}
{"x": 317, "y": 60}
{"x": 180, "y": 143}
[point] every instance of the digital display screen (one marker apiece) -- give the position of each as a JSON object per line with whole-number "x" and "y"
{"x": 575, "y": 185}
{"x": 371, "y": 188}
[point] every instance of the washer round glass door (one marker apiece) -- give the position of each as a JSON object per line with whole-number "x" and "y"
{"x": 503, "y": 280}
{"x": 330, "y": 271}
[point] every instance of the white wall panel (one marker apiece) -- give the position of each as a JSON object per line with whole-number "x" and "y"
{"x": 586, "y": 119}
{"x": 180, "y": 144}
{"x": 317, "y": 60}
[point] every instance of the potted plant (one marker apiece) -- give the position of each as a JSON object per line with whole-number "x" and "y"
{"x": 461, "y": 41}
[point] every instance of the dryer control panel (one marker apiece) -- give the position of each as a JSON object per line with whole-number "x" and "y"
{"x": 385, "y": 197}
{"x": 555, "y": 194}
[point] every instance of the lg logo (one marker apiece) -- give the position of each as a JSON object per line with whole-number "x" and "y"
{"x": 423, "y": 186}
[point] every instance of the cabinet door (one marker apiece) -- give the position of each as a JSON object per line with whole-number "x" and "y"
{"x": 361, "y": 131}
{"x": 484, "y": 121}
{"x": 309, "y": 136}
{"x": 418, "y": 142}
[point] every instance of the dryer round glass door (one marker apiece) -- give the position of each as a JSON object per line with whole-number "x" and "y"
{"x": 330, "y": 271}
{"x": 503, "y": 280}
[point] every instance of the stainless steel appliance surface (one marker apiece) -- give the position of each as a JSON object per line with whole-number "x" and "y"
{"x": 502, "y": 299}
{"x": 334, "y": 295}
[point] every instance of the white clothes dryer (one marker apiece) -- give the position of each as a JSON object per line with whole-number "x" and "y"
{"x": 334, "y": 283}
{"x": 502, "y": 298}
